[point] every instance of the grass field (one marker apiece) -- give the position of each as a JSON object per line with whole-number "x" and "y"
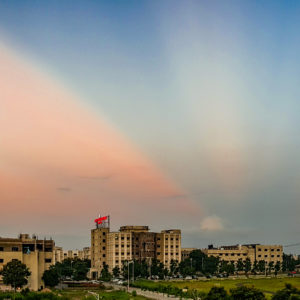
{"x": 267, "y": 285}
{"x": 108, "y": 295}
{"x": 70, "y": 294}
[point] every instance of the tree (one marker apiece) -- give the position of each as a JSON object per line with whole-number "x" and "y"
{"x": 240, "y": 265}
{"x": 15, "y": 274}
{"x": 261, "y": 266}
{"x": 255, "y": 267}
{"x": 217, "y": 293}
{"x": 51, "y": 277}
{"x": 105, "y": 275}
{"x": 271, "y": 266}
{"x": 79, "y": 269}
{"x": 247, "y": 265}
{"x": 288, "y": 293}
{"x": 277, "y": 267}
{"x": 246, "y": 292}
{"x": 173, "y": 267}
{"x": 116, "y": 272}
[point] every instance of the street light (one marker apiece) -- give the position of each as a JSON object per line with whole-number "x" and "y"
{"x": 128, "y": 263}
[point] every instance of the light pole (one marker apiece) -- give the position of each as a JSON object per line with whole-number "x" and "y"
{"x": 128, "y": 263}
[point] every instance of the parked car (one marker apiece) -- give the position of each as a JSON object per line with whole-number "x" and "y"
{"x": 188, "y": 277}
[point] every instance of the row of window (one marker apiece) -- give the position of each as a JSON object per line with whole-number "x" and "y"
{"x": 233, "y": 254}
{"x": 13, "y": 249}
{"x": 278, "y": 249}
{"x": 267, "y": 255}
{"x": 47, "y": 260}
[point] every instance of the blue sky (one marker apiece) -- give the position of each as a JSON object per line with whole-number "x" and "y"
{"x": 207, "y": 90}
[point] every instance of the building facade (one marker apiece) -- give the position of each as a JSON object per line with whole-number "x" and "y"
{"x": 255, "y": 252}
{"x": 132, "y": 243}
{"x": 185, "y": 252}
{"x": 60, "y": 254}
{"x": 37, "y": 255}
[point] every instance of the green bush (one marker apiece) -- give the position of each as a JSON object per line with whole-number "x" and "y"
{"x": 247, "y": 292}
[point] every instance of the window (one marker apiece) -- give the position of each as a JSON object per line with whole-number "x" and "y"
{"x": 245, "y": 254}
{"x": 103, "y": 240}
{"x": 266, "y": 255}
{"x": 1, "y": 260}
{"x": 158, "y": 239}
{"x": 128, "y": 238}
{"x": 278, "y": 249}
{"x": 176, "y": 246}
{"x": 103, "y": 255}
{"x": 167, "y": 253}
{"x": 232, "y": 254}
{"x": 122, "y": 253}
{"x": 278, "y": 255}
{"x": 158, "y": 246}
{"x": 103, "y": 248}
{"x": 122, "y": 238}
{"x": 117, "y": 246}
{"x": 226, "y": 254}
{"x": 167, "y": 246}
{"x": 272, "y": 255}
{"x": 128, "y": 245}
{"x": 158, "y": 253}
{"x": 117, "y": 261}
{"x": 239, "y": 254}
{"x": 117, "y": 253}
{"x": 172, "y": 239}
{"x": 1, "y": 248}
{"x": 128, "y": 253}
{"x": 122, "y": 246}
{"x": 167, "y": 239}
{"x": 259, "y": 255}
{"x": 14, "y": 249}
{"x": 266, "y": 249}
{"x": 48, "y": 260}
{"x": 272, "y": 249}
{"x": 103, "y": 233}
{"x": 259, "y": 249}
{"x": 176, "y": 253}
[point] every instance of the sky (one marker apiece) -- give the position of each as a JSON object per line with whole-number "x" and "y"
{"x": 172, "y": 114}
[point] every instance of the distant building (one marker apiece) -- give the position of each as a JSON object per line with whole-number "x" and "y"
{"x": 58, "y": 254}
{"x": 185, "y": 252}
{"x": 61, "y": 254}
{"x": 132, "y": 243}
{"x": 255, "y": 252}
{"x": 37, "y": 255}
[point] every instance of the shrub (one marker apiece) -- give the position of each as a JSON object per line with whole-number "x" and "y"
{"x": 247, "y": 292}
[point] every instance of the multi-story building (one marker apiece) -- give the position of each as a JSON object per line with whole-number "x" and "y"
{"x": 185, "y": 252}
{"x": 36, "y": 254}
{"x": 132, "y": 243}
{"x": 58, "y": 254}
{"x": 255, "y": 252}
{"x": 85, "y": 253}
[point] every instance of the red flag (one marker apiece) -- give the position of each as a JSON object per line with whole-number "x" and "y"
{"x": 100, "y": 220}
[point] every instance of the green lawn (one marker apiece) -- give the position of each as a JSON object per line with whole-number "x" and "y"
{"x": 266, "y": 285}
{"x": 108, "y": 295}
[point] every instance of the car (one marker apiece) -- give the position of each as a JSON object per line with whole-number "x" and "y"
{"x": 188, "y": 277}
{"x": 209, "y": 276}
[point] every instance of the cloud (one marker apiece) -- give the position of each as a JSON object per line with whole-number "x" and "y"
{"x": 212, "y": 223}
